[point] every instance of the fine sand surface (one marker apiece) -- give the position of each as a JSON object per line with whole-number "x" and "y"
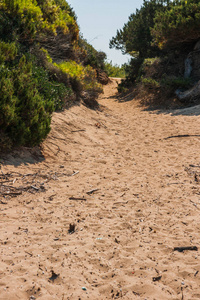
{"x": 137, "y": 173}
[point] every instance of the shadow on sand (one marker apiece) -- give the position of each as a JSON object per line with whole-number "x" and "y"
{"x": 183, "y": 111}
{"x": 121, "y": 98}
{"x": 23, "y": 156}
{"x": 173, "y": 109}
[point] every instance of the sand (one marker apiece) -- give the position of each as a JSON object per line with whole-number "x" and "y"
{"x": 128, "y": 180}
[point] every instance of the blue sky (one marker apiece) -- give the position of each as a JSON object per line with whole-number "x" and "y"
{"x": 99, "y": 21}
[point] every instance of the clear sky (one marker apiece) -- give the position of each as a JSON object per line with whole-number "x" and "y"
{"x": 99, "y": 20}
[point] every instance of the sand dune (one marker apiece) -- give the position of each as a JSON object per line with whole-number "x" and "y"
{"x": 128, "y": 180}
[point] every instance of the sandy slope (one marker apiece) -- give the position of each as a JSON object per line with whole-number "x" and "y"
{"x": 147, "y": 202}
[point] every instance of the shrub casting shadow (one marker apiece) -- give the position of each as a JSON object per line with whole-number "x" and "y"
{"x": 23, "y": 155}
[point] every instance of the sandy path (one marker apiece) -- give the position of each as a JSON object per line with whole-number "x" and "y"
{"x": 146, "y": 202}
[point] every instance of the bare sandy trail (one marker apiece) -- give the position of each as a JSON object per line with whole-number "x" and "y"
{"x": 145, "y": 202}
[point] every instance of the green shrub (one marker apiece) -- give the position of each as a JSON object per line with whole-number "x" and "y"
{"x": 32, "y": 17}
{"x": 149, "y": 82}
{"x": 8, "y": 51}
{"x": 122, "y": 87}
{"x": 160, "y": 29}
{"x": 24, "y": 113}
{"x": 86, "y": 76}
{"x": 39, "y": 39}
{"x": 8, "y": 97}
{"x": 177, "y": 25}
{"x": 58, "y": 93}
{"x": 176, "y": 82}
{"x": 132, "y": 71}
{"x": 114, "y": 70}
{"x": 135, "y": 37}
{"x": 90, "y": 56}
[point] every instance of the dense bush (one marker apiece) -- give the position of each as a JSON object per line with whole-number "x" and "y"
{"x": 132, "y": 71}
{"x": 90, "y": 56}
{"x": 159, "y": 36}
{"x": 30, "y": 18}
{"x": 24, "y": 113}
{"x": 135, "y": 37}
{"x": 85, "y": 75}
{"x": 114, "y": 70}
{"x": 178, "y": 25}
{"x": 41, "y": 67}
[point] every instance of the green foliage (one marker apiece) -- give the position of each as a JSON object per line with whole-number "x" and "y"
{"x": 179, "y": 24}
{"x": 174, "y": 82}
{"x": 132, "y": 71}
{"x": 8, "y": 51}
{"x": 25, "y": 14}
{"x": 53, "y": 91}
{"x": 114, "y": 70}
{"x": 72, "y": 68}
{"x": 90, "y": 56}
{"x": 25, "y": 115}
{"x": 84, "y": 75}
{"x": 149, "y": 68}
{"x": 40, "y": 67}
{"x": 135, "y": 37}
{"x": 159, "y": 36}
{"x": 65, "y": 6}
{"x": 149, "y": 82}
{"x": 32, "y": 17}
{"x": 28, "y": 97}
{"x": 8, "y": 99}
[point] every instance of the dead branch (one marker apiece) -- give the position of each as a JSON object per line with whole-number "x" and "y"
{"x": 77, "y": 198}
{"x": 75, "y": 173}
{"x": 78, "y": 130}
{"x": 182, "y": 136}
{"x": 25, "y": 182}
{"x": 91, "y": 191}
{"x": 11, "y": 193}
{"x": 181, "y": 249}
